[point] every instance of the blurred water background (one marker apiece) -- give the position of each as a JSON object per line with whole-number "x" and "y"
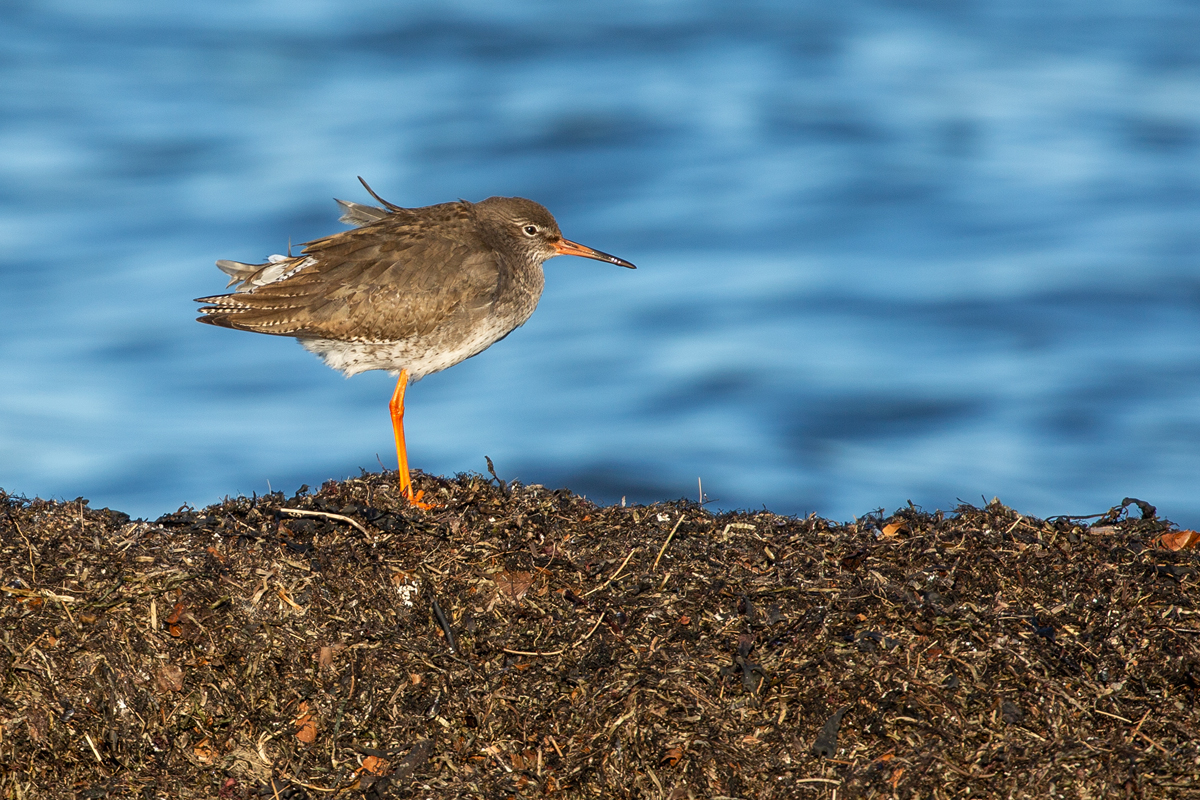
{"x": 887, "y": 251}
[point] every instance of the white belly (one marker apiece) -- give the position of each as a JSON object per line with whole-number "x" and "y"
{"x": 421, "y": 356}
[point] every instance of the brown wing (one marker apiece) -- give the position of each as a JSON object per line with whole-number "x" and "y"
{"x": 388, "y": 281}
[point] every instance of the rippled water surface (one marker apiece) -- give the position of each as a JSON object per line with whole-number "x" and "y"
{"x": 887, "y": 251}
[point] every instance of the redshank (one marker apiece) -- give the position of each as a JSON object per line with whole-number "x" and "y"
{"x": 408, "y": 290}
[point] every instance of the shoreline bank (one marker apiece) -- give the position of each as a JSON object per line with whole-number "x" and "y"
{"x": 522, "y": 641}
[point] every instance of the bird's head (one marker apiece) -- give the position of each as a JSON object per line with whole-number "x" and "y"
{"x": 527, "y": 228}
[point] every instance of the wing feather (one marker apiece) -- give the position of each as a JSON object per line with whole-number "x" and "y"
{"x": 390, "y": 280}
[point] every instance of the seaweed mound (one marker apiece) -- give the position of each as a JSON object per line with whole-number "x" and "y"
{"x": 517, "y": 641}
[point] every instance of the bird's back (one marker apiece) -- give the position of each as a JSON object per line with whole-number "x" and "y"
{"x": 405, "y": 285}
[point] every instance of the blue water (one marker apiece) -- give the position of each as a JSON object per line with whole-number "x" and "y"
{"x": 887, "y": 251}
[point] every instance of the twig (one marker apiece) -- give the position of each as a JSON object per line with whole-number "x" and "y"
{"x": 615, "y": 574}
{"x": 558, "y": 652}
{"x": 95, "y": 752}
{"x": 445, "y": 623}
{"x": 1138, "y": 729}
{"x": 593, "y": 630}
{"x": 561, "y": 650}
{"x": 670, "y": 536}
{"x": 44, "y": 594}
{"x": 29, "y": 547}
{"x": 298, "y": 782}
{"x": 67, "y": 609}
{"x": 1154, "y": 743}
{"x": 299, "y": 512}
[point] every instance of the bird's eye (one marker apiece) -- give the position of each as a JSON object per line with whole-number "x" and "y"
{"x": 530, "y": 230}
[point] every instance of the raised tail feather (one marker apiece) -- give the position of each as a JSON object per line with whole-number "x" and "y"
{"x": 358, "y": 215}
{"x": 251, "y": 276}
{"x": 237, "y": 271}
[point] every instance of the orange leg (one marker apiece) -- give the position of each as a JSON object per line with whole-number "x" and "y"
{"x": 397, "y": 409}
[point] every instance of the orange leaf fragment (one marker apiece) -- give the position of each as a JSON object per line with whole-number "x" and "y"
{"x": 306, "y": 727}
{"x": 376, "y": 765}
{"x": 204, "y": 752}
{"x": 1178, "y": 540}
{"x": 672, "y": 756}
{"x": 895, "y": 779}
{"x": 893, "y": 528}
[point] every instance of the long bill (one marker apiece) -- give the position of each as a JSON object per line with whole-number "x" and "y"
{"x": 565, "y": 247}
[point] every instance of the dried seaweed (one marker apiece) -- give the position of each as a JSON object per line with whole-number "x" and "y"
{"x": 522, "y": 642}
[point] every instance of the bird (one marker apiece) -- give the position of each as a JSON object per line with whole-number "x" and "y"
{"x": 412, "y": 291}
